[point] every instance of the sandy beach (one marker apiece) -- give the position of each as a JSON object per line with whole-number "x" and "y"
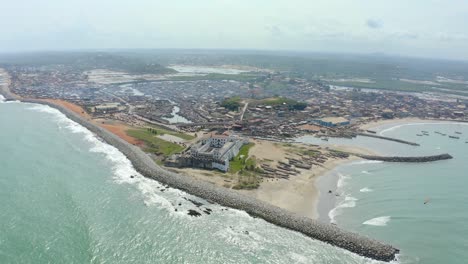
{"x": 382, "y": 122}
{"x": 266, "y": 210}
{"x": 298, "y": 194}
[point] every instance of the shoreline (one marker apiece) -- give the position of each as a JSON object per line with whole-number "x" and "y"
{"x": 299, "y": 194}
{"x": 329, "y": 181}
{"x": 404, "y": 121}
{"x": 330, "y": 234}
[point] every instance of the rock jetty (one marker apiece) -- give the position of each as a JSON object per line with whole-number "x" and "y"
{"x": 388, "y": 138}
{"x": 327, "y": 233}
{"x": 407, "y": 159}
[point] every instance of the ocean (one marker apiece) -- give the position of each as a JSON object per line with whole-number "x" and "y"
{"x": 421, "y": 208}
{"x": 67, "y": 197}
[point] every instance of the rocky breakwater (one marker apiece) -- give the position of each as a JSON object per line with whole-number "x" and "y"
{"x": 388, "y": 138}
{"x": 407, "y": 159}
{"x": 327, "y": 233}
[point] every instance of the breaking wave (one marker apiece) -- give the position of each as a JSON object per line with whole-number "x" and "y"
{"x": 361, "y": 162}
{"x": 366, "y": 190}
{"x": 122, "y": 169}
{"x": 342, "y": 180}
{"x": 378, "y": 221}
{"x": 348, "y": 202}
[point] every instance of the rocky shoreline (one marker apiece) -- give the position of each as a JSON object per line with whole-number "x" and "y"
{"x": 327, "y": 233}
{"x": 407, "y": 159}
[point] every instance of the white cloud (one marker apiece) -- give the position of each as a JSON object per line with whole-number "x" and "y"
{"x": 417, "y": 27}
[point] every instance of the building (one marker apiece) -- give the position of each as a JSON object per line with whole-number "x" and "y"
{"x": 332, "y": 121}
{"x": 213, "y": 152}
{"x": 388, "y": 114}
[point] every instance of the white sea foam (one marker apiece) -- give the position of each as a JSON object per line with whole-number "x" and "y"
{"x": 342, "y": 180}
{"x": 366, "y": 190}
{"x": 378, "y": 221}
{"x": 362, "y": 162}
{"x": 121, "y": 167}
{"x": 251, "y": 242}
{"x": 348, "y": 202}
{"x": 4, "y": 101}
{"x": 298, "y": 258}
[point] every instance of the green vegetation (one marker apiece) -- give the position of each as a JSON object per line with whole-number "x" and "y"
{"x": 232, "y": 103}
{"x": 386, "y": 71}
{"x": 157, "y": 130}
{"x": 242, "y": 160}
{"x": 155, "y": 144}
{"x": 291, "y": 104}
{"x": 247, "y": 181}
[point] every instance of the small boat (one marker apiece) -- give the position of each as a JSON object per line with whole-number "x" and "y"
{"x": 325, "y": 139}
{"x": 424, "y": 131}
{"x": 419, "y": 135}
{"x": 456, "y": 132}
{"x": 454, "y": 137}
{"x": 426, "y": 201}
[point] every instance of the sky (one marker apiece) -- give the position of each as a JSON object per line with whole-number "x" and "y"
{"x": 421, "y": 28}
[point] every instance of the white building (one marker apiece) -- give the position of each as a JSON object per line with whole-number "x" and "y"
{"x": 218, "y": 150}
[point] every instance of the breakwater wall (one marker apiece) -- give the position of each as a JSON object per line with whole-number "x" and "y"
{"x": 327, "y": 233}
{"x": 407, "y": 159}
{"x": 388, "y": 138}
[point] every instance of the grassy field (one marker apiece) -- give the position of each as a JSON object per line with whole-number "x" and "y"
{"x": 161, "y": 131}
{"x": 242, "y": 160}
{"x": 155, "y": 144}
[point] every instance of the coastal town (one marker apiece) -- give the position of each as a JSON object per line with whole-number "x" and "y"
{"x": 229, "y": 134}
{"x": 235, "y": 128}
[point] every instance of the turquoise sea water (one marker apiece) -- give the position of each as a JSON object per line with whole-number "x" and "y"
{"x": 386, "y": 200}
{"x": 66, "y": 197}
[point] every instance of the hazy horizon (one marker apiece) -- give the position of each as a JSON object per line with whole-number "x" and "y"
{"x": 428, "y": 29}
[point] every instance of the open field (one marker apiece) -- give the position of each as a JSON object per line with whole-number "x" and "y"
{"x": 154, "y": 144}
